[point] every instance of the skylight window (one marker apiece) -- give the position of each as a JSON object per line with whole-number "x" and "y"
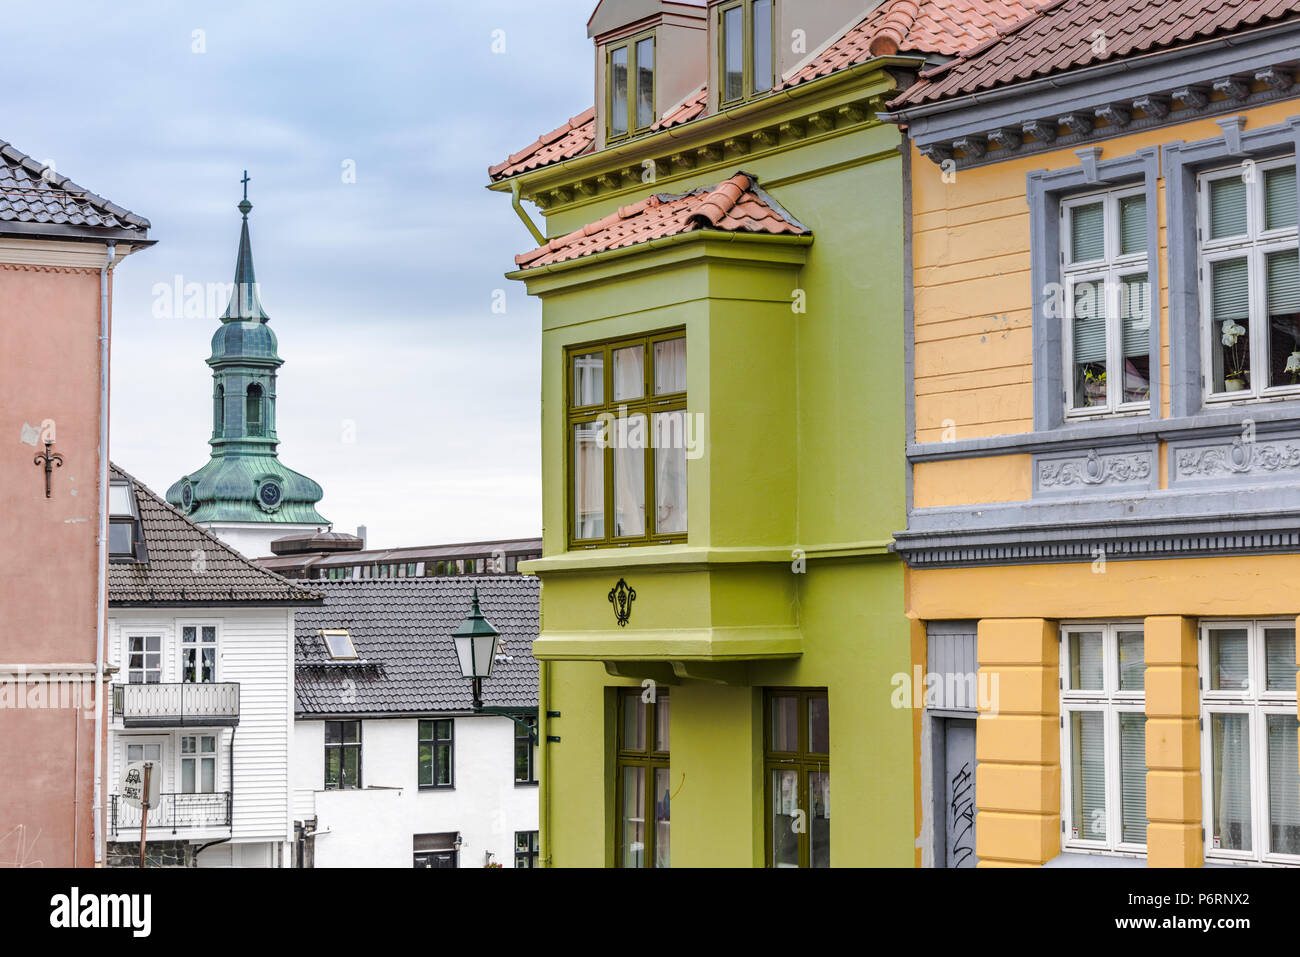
{"x": 339, "y": 644}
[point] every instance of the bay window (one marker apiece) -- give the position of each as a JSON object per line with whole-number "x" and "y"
{"x": 628, "y": 436}
{"x": 1103, "y": 737}
{"x": 1248, "y": 741}
{"x": 1108, "y": 307}
{"x": 630, "y": 79}
{"x": 1250, "y": 280}
{"x": 746, "y": 49}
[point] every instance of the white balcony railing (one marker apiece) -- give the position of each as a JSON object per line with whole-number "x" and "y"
{"x": 177, "y": 704}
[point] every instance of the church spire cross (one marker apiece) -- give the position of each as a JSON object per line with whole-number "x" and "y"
{"x": 245, "y": 206}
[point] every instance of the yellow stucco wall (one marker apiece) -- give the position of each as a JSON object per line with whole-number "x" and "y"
{"x": 996, "y": 478}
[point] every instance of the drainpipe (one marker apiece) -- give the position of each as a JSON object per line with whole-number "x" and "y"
{"x": 544, "y": 785}
{"x": 523, "y": 214}
{"x": 101, "y": 602}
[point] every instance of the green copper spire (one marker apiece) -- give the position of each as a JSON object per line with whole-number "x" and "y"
{"x": 244, "y": 480}
{"x": 245, "y": 305}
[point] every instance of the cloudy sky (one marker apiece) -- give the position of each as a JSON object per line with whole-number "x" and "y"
{"x": 380, "y": 290}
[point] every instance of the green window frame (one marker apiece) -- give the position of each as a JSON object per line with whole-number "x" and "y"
{"x": 610, "y": 412}
{"x": 796, "y": 777}
{"x": 746, "y": 50}
{"x": 641, "y": 780}
{"x": 630, "y": 103}
{"x": 525, "y": 752}
{"x": 342, "y": 755}
{"x": 436, "y": 754}
{"x": 525, "y": 848}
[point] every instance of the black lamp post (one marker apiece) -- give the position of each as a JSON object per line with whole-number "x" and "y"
{"x": 476, "y": 647}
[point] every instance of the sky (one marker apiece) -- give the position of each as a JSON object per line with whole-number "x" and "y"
{"x": 403, "y": 393}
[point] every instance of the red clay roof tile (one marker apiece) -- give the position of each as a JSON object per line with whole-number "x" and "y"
{"x": 734, "y": 205}
{"x": 1059, "y": 37}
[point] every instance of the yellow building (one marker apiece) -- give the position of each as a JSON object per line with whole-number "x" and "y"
{"x": 1103, "y": 354}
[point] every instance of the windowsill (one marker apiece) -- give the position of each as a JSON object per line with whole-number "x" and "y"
{"x": 525, "y": 784}
{"x": 437, "y": 787}
{"x": 1080, "y": 858}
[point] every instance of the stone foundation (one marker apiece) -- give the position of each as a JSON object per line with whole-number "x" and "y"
{"x": 157, "y": 854}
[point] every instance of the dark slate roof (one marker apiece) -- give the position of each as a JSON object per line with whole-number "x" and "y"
{"x": 173, "y": 573}
{"x": 1059, "y": 37}
{"x": 401, "y": 630}
{"x": 36, "y": 203}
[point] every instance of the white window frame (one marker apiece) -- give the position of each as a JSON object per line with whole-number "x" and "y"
{"x": 127, "y": 637}
{"x": 1254, "y": 245}
{"x": 1256, "y": 702}
{"x": 1111, "y": 702}
{"x": 198, "y": 624}
{"x": 1113, "y": 268}
{"x": 197, "y": 756}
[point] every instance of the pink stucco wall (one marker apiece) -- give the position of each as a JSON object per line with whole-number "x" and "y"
{"x": 49, "y": 372}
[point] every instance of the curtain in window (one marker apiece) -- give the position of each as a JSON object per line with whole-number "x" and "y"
{"x": 589, "y": 379}
{"x": 1085, "y": 661}
{"x": 1230, "y": 759}
{"x": 629, "y": 477}
{"x": 1228, "y": 204}
{"x": 618, "y": 91}
{"x": 663, "y": 838}
{"x": 733, "y": 54}
{"x": 1133, "y": 777}
{"x": 1132, "y": 661}
{"x": 670, "y": 475}
{"x": 588, "y": 482}
{"x": 1282, "y": 276}
{"x": 785, "y": 803}
{"x": 1279, "y": 659}
{"x": 645, "y": 83}
{"x": 1088, "y": 233}
{"x": 1283, "y": 785}
{"x": 819, "y": 819}
{"x": 670, "y": 366}
{"x": 1135, "y": 335}
{"x": 1088, "y": 742}
{"x": 634, "y": 816}
{"x": 1229, "y": 659}
{"x": 629, "y": 373}
{"x": 1280, "y": 198}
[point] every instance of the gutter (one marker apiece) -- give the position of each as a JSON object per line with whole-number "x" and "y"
{"x": 101, "y": 600}
{"x": 538, "y": 235}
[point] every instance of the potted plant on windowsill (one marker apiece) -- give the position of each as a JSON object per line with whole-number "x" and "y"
{"x": 1293, "y": 367}
{"x": 1094, "y": 386}
{"x": 1237, "y": 375}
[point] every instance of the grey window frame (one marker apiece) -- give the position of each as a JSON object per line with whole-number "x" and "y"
{"x": 1183, "y": 163}
{"x": 1046, "y": 190}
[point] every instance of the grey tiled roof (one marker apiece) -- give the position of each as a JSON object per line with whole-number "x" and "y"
{"x": 188, "y": 565}
{"x": 401, "y": 630}
{"x": 29, "y": 201}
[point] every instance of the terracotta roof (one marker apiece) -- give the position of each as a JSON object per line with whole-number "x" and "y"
{"x": 945, "y": 27}
{"x": 1059, "y": 37}
{"x": 32, "y": 194}
{"x": 734, "y": 205}
{"x": 188, "y": 565}
{"x": 401, "y": 631}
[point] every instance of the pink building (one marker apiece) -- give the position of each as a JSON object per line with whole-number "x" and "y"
{"x": 59, "y": 245}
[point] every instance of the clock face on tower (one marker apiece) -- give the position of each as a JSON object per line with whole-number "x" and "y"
{"x": 269, "y": 494}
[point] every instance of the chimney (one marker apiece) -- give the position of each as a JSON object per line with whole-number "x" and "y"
{"x": 361, "y": 534}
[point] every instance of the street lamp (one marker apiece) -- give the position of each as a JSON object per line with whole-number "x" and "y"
{"x": 476, "y": 647}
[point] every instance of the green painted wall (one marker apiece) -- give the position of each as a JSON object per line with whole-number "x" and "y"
{"x": 804, "y": 451}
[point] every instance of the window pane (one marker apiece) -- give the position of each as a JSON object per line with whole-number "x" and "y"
{"x": 351, "y": 776}
{"x": 1283, "y": 275}
{"x": 1132, "y": 661}
{"x": 1283, "y": 786}
{"x": 589, "y": 379}
{"x": 618, "y": 91}
{"x": 588, "y": 482}
{"x": 634, "y": 720}
{"x": 333, "y": 761}
{"x": 351, "y": 731}
{"x": 119, "y": 501}
{"x": 1088, "y": 770}
{"x": 663, "y": 840}
{"x": 733, "y": 55}
{"x": 785, "y": 723}
{"x": 119, "y": 538}
{"x": 670, "y": 472}
{"x": 629, "y": 476}
{"x": 1279, "y": 659}
{"x": 663, "y": 725}
{"x": 645, "y": 83}
{"x": 1230, "y": 781}
{"x": 785, "y": 819}
{"x": 1230, "y": 311}
{"x": 187, "y": 776}
{"x": 1229, "y": 659}
{"x": 1135, "y": 323}
{"x": 442, "y": 764}
{"x": 1227, "y": 207}
{"x": 1132, "y": 225}
{"x": 1085, "y": 661}
{"x": 819, "y": 726}
{"x": 1088, "y": 232}
{"x": 1088, "y": 319}
{"x": 208, "y": 780}
{"x": 1133, "y": 777}
{"x": 819, "y": 818}
{"x": 1280, "y": 198}
{"x": 670, "y": 366}
{"x": 634, "y": 817}
{"x": 426, "y": 764}
{"x": 762, "y": 36}
{"x": 629, "y": 373}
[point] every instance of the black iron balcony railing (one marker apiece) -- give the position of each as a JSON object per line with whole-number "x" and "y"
{"x": 174, "y": 812}
{"x": 175, "y": 705}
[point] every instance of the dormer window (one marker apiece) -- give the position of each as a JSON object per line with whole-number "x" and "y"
{"x": 746, "y": 49}
{"x": 339, "y": 644}
{"x": 123, "y": 522}
{"x": 631, "y": 82}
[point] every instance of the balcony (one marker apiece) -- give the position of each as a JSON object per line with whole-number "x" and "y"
{"x": 177, "y": 705}
{"x": 175, "y": 812}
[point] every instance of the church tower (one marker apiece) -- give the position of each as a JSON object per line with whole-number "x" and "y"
{"x": 243, "y": 495}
